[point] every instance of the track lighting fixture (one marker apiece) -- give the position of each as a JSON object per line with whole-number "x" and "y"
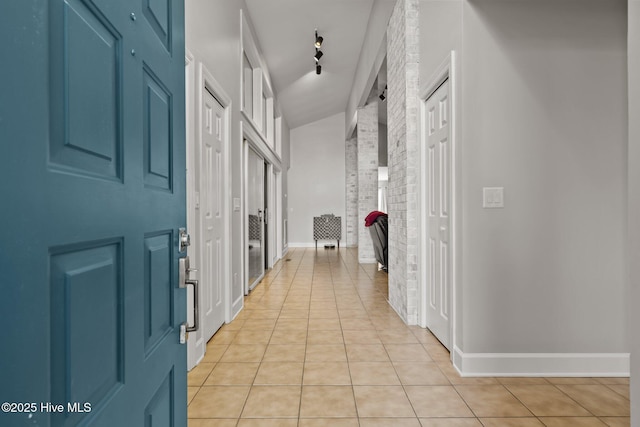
{"x": 317, "y": 43}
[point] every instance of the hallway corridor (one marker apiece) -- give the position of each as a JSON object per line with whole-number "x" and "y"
{"x": 317, "y": 345}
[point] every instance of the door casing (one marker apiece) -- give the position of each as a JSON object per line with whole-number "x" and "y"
{"x": 446, "y": 71}
{"x": 249, "y": 148}
{"x": 195, "y": 343}
{"x": 205, "y": 81}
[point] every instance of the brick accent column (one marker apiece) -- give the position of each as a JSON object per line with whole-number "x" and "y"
{"x": 351, "y": 172}
{"x": 402, "y": 106}
{"x": 367, "y": 177}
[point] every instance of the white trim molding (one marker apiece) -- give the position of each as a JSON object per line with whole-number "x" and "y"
{"x": 195, "y": 341}
{"x": 206, "y": 81}
{"x": 446, "y": 71}
{"x": 304, "y": 245}
{"x": 541, "y": 364}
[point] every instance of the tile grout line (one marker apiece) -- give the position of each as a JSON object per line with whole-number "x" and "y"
{"x": 306, "y": 346}
{"x": 344, "y": 343}
{"x": 252, "y": 385}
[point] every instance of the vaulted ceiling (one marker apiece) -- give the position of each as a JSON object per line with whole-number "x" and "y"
{"x": 285, "y": 34}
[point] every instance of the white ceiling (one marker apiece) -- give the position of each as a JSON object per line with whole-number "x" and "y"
{"x": 285, "y": 34}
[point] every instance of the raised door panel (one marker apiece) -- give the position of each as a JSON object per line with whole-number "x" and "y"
{"x": 86, "y": 122}
{"x": 158, "y": 137}
{"x": 87, "y": 319}
{"x": 158, "y": 15}
{"x": 160, "y": 410}
{"x": 158, "y": 295}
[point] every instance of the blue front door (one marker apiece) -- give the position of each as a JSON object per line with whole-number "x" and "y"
{"x": 92, "y": 186}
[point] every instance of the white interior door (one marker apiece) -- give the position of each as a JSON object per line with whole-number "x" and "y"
{"x": 211, "y": 215}
{"x": 438, "y": 307}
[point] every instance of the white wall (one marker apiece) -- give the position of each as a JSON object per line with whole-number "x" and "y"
{"x": 440, "y": 33}
{"x": 316, "y": 177}
{"x": 634, "y": 205}
{"x": 544, "y": 115}
{"x": 213, "y": 36}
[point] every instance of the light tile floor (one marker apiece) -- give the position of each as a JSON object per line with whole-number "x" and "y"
{"x": 317, "y": 345}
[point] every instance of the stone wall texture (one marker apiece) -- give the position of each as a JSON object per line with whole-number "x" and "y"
{"x": 367, "y": 176}
{"x": 351, "y": 193}
{"x": 403, "y": 38}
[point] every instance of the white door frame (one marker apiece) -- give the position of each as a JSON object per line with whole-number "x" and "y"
{"x": 195, "y": 344}
{"x": 195, "y": 87}
{"x": 447, "y": 70}
{"x": 248, "y": 144}
{"x": 274, "y": 203}
{"x": 252, "y": 138}
{"x": 243, "y": 213}
{"x": 278, "y": 215}
{"x": 272, "y": 217}
{"x": 206, "y": 81}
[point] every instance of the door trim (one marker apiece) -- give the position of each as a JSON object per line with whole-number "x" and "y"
{"x": 206, "y": 81}
{"x": 248, "y": 145}
{"x": 447, "y": 70}
{"x": 253, "y": 139}
{"x": 195, "y": 345}
{"x": 278, "y": 216}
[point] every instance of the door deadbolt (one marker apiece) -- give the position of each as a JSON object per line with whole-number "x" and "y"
{"x": 184, "y": 239}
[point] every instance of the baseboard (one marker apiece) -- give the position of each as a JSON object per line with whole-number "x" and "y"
{"x": 368, "y": 261}
{"x": 541, "y": 364}
{"x": 200, "y": 359}
{"x": 237, "y": 306}
{"x": 313, "y": 244}
{"x": 302, "y": 245}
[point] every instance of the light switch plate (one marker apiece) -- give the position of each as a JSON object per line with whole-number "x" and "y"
{"x": 236, "y": 204}
{"x": 493, "y": 197}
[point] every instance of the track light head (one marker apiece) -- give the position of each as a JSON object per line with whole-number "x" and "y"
{"x": 383, "y": 94}
{"x": 318, "y": 69}
{"x": 318, "y": 41}
{"x": 318, "y": 55}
